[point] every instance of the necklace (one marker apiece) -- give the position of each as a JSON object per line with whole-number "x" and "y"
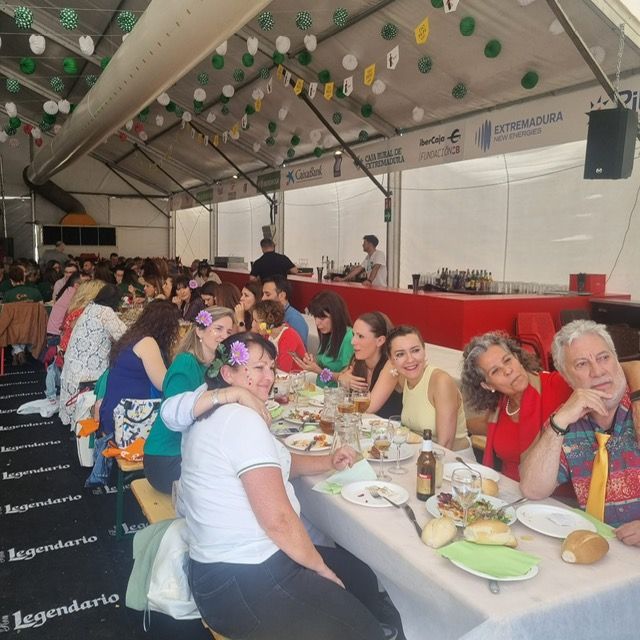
{"x": 510, "y": 413}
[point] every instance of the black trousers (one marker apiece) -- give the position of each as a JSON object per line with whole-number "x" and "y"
{"x": 162, "y": 471}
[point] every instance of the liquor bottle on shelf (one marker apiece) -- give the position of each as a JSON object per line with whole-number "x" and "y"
{"x": 426, "y": 481}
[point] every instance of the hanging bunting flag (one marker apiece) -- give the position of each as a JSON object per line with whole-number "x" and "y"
{"x": 450, "y": 5}
{"x": 257, "y": 105}
{"x": 280, "y": 72}
{"x": 299, "y": 86}
{"x": 422, "y": 31}
{"x": 216, "y": 140}
{"x": 369, "y": 74}
{"x": 311, "y": 91}
{"x": 393, "y": 57}
{"x": 206, "y": 141}
{"x": 287, "y": 78}
{"x": 328, "y": 91}
{"x": 245, "y": 121}
{"x": 225, "y": 136}
{"x": 347, "y": 86}
{"x": 270, "y": 85}
{"x": 235, "y": 130}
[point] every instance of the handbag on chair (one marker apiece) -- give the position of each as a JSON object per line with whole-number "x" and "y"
{"x": 133, "y": 419}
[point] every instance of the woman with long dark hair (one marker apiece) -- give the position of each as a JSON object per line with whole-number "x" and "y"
{"x": 188, "y": 298}
{"x": 250, "y": 294}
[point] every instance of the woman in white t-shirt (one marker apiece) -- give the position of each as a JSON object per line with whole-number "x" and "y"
{"x": 253, "y": 569}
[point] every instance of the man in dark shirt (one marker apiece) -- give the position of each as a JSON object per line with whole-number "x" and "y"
{"x": 271, "y": 263}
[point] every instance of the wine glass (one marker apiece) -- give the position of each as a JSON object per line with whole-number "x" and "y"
{"x": 400, "y": 435}
{"x": 382, "y": 435}
{"x": 296, "y": 384}
{"x": 465, "y": 485}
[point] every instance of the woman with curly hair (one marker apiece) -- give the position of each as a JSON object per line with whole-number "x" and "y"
{"x": 187, "y": 298}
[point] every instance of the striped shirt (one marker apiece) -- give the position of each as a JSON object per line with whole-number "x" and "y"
{"x": 622, "y": 500}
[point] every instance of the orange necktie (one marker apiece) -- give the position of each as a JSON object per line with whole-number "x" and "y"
{"x": 599, "y": 475}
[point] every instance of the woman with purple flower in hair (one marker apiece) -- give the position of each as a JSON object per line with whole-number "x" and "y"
{"x": 188, "y": 298}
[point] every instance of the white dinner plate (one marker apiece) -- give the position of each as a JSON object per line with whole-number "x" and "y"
{"x": 485, "y": 472}
{"x": 358, "y": 493}
{"x": 297, "y": 417}
{"x": 406, "y": 451}
{"x": 432, "y": 508}
{"x": 527, "y": 576}
{"x": 317, "y": 401}
{"x": 300, "y": 442}
{"x": 553, "y": 521}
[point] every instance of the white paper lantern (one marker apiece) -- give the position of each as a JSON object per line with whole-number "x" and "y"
{"x": 50, "y": 107}
{"x": 64, "y": 106}
{"x": 159, "y": 121}
{"x": 378, "y": 87}
{"x": 228, "y": 91}
{"x": 37, "y": 44}
{"x": 86, "y": 45}
{"x": 310, "y": 42}
{"x": 283, "y": 44}
{"x": 257, "y": 94}
{"x": 186, "y": 116}
{"x": 143, "y": 136}
{"x": 200, "y": 94}
{"x": 252, "y": 45}
{"x": 3, "y": 137}
{"x": 256, "y": 145}
{"x": 128, "y": 125}
{"x": 598, "y": 53}
{"x": 556, "y": 28}
{"x": 315, "y": 136}
{"x": 211, "y": 117}
{"x": 163, "y": 99}
{"x": 222, "y": 48}
{"x": 350, "y": 62}
{"x": 283, "y": 113}
{"x": 36, "y": 133}
{"x": 417, "y": 114}
{"x": 11, "y": 109}
{"x": 124, "y": 36}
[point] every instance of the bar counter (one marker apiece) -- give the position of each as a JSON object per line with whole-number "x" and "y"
{"x": 447, "y": 319}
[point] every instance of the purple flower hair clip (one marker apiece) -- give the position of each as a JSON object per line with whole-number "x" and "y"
{"x": 193, "y": 284}
{"x": 326, "y": 375}
{"x": 239, "y": 353}
{"x": 204, "y": 319}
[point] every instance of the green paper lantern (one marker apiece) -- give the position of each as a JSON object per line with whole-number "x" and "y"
{"x": 324, "y": 76}
{"x": 304, "y": 21}
{"x": 264, "y": 73}
{"x": 363, "y": 136}
{"x": 295, "y": 140}
{"x": 13, "y": 86}
{"x": 225, "y": 110}
{"x": 217, "y": 61}
{"x": 126, "y": 21}
{"x": 70, "y": 66}
{"x": 49, "y": 118}
{"x": 179, "y": 111}
{"x": 459, "y": 91}
{"x": 336, "y": 117}
{"x": 45, "y": 126}
{"x": 9, "y": 131}
{"x": 23, "y": 17}
{"x": 203, "y": 78}
{"x": 27, "y": 65}
{"x": 340, "y": 93}
{"x": 15, "y": 122}
{"x": 90, "y": 80}
{"x": 318, "y": 151}
{"x": 224, "y": 99}
{"x": 249, "y": 109}
{"x": 266, "y": 21}
{"x": 529, "y": 80}
{"x": 247, "y": 60}
{"x": 304, "y": 58}
{"x": 68, "y": 19}
{"x": 340, "y": 17}
{"x": 492, "y": 49}
{"x": 57, "y": 84}
{"x": 238, "y": 75}
{"x": 144, "y": 113}
{"x": 366, "y": 110}
{"x": 104, "y": 62}
{"x": 425, "y": 64}
{"x": 467, "y": 26}
{"x": 272, "y": 126}
{"x": 277, "y": 57}
{"x": 270, "y": 141}
{"x": 389, "y": 31}
{"x": 291, "y": 152}
{"x": 198, "y": 106}
{"x": 171, "y": 106}
{"x": 437, "y": 4}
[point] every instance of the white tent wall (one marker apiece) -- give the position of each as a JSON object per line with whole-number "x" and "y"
{"x": 555, "y": 222}
{"x": 240, "y": 225}
{"x": 331, "y": 219}
{"x": 193, "y": 234}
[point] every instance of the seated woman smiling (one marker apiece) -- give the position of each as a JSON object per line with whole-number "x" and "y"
{"x": 253, "y": 569}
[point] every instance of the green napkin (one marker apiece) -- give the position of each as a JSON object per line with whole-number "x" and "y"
{"x": 312, "y": 394}
{"x": 496, "y": 561}
{"x": 605, "y": 530}
{"x": 277, "y": 412}
{"x": 360, "y": 471}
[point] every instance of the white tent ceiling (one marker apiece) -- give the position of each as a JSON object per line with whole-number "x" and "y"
{"x": 524, "y": 28}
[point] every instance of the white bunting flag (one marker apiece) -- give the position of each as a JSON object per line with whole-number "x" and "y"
{"x": 313, "y": 87}
{"x": 347, "y": 86}
{"x": 450, "y": 5}
{"x": 393, "y": 57}
{"x": 225, "y": 136}
{"x": 245, "y": 121}
{"x": 270, "y": 85}
{"x": 287, "y": 78}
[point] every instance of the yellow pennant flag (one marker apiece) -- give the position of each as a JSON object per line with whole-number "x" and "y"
{"x": 216, "y": 140}
{"x": 369, "y": 74}
{"x": 328, "y": 91}
{"x": 280, "y": 72}
{"x": 299, "y": 86}
{"x": 257, "y": 105}
{"x": 422, "y": 31}
{"x": 235, "y": 130}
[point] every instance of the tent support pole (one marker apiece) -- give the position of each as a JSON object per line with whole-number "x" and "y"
{"x": 130, "y": 184}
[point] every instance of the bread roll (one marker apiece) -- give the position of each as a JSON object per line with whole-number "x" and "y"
{"x": 584, "y": 547}
{"x": 490, "y": 487}
{"x": 490, "y": 532}
{"x": 439, "y": 531}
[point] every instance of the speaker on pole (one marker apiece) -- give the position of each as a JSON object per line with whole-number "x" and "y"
{"x": 611, "y": 142}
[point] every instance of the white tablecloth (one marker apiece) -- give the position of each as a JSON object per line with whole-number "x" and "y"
{"x": 438, "y": 600}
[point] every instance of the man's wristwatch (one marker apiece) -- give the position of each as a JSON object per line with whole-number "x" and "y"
{"x": 559, "y": 430}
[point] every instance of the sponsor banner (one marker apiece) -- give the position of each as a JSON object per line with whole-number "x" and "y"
{"x": 13, "y": 427}
{"x": 17, "y": 555}
{"x": 29, "y": 445}
{"x": 17, "y": 475}
{"x": 10, "y": 509}
{"x": 128, "y": 528}
{"x": 267, "y": 181}
{"x": 21, "y": 395}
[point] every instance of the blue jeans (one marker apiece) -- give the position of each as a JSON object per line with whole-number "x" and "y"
{"x": 281, "y": 599}
{"x": 52, "y": 381}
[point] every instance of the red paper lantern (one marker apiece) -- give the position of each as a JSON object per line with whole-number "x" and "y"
{"x": 27, "y": 128}
{"x": 138, "y": 127}
{"x": 123, "y": 136}
{"x": 39, "y": 142}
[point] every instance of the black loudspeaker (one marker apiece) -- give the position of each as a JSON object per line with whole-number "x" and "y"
{"x": 611, "y": 142}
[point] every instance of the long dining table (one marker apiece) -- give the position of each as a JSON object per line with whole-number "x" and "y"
{"x": 436, "y": 599}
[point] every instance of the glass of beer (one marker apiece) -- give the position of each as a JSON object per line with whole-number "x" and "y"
{"x": 361, "y": 401}
{"x": 346, "y": 404}
{"x": 328, "y": 420}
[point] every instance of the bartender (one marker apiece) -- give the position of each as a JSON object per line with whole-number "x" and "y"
{"x": 374, "y": 265}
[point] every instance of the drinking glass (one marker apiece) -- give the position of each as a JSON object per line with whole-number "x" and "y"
{"x": 328, "y": 419}
{"x": 296, "y": 384}
{"x": 400, "y": 435}
{"x": 346, "y": 404}
{"x": 361, "y": 401}
{"x": 382, "y": 436}
{"x": 465, "y": 485}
